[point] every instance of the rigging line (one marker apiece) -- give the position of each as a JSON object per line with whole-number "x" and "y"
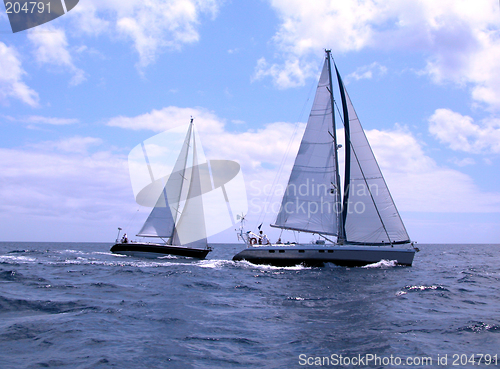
{"x": 278, "y": 174}
{"x": 287, "y": 152}
{"x": 148, "y": 164}
{"x": 132, "y": 218}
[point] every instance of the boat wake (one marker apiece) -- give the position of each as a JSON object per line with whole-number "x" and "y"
{"x": 247, "y": 264}
{"x": 382, "y": 264}
{"x": 214, "y": 263}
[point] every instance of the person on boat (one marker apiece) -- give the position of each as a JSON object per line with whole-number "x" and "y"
{"x": 265, "y": 240}
{"x": 125, "y": 238}
{"x": 279, "y": 241}
{"x": 260, "y": 238}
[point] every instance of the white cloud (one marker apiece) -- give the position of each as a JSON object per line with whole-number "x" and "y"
{"x": 367, "y": 72}
{"x": 310, "y": 26}
{"x": 151, "y": 25}
{"x": 460, "y": 132}
{"x": 76, "y": 144}
{"x": 459, "y": 38}
{"x": 463, "y": 162}
{"x": 11, "y": 74}
{"x": 170, "y": 117}
{"x": 417, "y": 182}
{"x": 250, "y": 148}
{"x": 292, "y": 73}
{"x": 37, "y": 119}
{"x": 51, "y": 47}
{"x": 68, "y": 191}
{"x": 64, "y": 180}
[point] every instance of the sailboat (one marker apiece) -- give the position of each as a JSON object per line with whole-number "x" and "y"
{"x": 363, "y": 216}
{"x": 177, "y": 217}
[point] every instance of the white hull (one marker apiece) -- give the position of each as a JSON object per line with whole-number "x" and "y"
{"x": 350, "y": 255}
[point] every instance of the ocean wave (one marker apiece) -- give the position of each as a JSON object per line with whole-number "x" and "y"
{"x": 17, "y": 259}
{"x": 479, "y": 327}
{"x": 118, "y": 263}
{"x": 420, "y": 288}
{"x": 10, "y": 276}
{"x": 40, "y": 306}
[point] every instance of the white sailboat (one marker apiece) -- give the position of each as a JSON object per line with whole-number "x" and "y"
{"x": 363, "y": 217}
{"x": 178, "y": 215}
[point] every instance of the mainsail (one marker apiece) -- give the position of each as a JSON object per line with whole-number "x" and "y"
{"x": 309, "y": 202}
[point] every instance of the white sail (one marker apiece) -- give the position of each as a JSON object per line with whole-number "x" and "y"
{"x": 162, "y": 219}
{"x": 160, "y": 222}
{"x": 309, "y": 202}
{"x": 190, "y": 230}
{"x": 371, "y": 216}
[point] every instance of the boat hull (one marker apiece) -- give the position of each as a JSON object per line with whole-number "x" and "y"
{"x": 156, "y": 250}
{"x": 312, "y": 255}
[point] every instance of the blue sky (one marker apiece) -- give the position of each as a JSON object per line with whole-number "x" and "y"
{"x": 78, "y": 93}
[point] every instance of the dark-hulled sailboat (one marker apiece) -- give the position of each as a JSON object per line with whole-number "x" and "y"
{"x": 363, "y": 217}
{"x": 178, "y": 216}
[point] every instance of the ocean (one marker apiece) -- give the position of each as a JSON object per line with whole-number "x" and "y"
{"x": 76, "y": 305}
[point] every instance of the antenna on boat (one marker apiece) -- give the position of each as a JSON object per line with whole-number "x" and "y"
{"x": 241, "y": 218}
{"x": 240, "y": 234}
{"x": 118, "y": 236}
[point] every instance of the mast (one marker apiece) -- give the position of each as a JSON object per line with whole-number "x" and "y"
{"x": 338, "y": 202}
{"x": 347, "y": 149}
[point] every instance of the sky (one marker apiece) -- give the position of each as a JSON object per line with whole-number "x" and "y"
{"x": 78, "y": 93}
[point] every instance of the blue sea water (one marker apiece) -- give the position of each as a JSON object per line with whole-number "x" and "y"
{"x": 76, "y": 305}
